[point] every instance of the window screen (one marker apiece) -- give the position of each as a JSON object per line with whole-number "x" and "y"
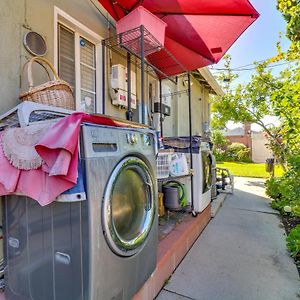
{"x": 87, "y": 75}
{"x": 69, "y": 43}
{"x": 66, "y": 50}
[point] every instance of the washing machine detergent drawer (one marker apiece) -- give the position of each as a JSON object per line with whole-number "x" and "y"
{"x": 45, "y": 250}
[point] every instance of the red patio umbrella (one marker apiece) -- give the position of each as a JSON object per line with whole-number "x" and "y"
{"x": 199, "y": 32}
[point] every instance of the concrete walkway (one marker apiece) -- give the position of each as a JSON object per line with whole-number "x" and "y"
{"x": 241, "y": 255}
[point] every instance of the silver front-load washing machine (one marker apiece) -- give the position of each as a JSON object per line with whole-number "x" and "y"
{"x": 101, "y": 248}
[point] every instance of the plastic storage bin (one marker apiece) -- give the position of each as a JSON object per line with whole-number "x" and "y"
{"x": 179, "y": 165}
{"x": 181, "y": 144}
{"x": 155, "y": 26}
{"x": 163, "y": 161}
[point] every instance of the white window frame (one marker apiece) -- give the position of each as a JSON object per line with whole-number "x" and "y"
{"x": 61, "y": 17}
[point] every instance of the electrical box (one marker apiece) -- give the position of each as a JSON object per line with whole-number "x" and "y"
{"x": 118, "y": 86}
{"x": 166, "y": 99}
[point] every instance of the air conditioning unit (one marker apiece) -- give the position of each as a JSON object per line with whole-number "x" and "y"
{"x": 166, "y": 99}
{"x": 118, "y": 86}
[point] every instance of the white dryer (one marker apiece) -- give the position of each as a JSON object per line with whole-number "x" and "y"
{"x": 202, "y": 165}
{"x": 102, "y": 248}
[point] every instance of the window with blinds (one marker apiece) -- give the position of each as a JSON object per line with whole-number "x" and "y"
{"x": 87, "y": 75}
{"x": 77, "y": 66}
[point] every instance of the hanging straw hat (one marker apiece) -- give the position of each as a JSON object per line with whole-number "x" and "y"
{"x": 18, "y": 146}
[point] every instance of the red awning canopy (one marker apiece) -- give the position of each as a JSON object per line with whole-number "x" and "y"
{"x": 199, "y": 32}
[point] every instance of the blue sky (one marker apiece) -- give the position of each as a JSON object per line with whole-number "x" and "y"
{"x": 259, "y": 41}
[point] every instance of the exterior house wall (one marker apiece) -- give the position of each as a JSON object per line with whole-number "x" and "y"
{"x": 259, "y": 150}
{"x": 170, "y": 124}
{"x": 243, "y": 139}
{"x": 178, "y": 123}
{"x": 18, "y": 17}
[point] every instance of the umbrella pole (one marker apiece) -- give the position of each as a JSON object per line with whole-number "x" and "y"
{"x": 160, "y": 108}
{"x": 142, "y": 73}
{"x": 191, "y": 146}
{"x": 129, "y": 111}
{"x": 103, "y": 78}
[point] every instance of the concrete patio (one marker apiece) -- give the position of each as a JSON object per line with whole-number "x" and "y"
{"x": 241, "y": 255}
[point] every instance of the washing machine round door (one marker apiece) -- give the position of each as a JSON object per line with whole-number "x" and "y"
{"x": 128, "y": 207}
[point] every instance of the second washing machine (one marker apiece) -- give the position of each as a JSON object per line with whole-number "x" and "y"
{"x": 202, "y": 167}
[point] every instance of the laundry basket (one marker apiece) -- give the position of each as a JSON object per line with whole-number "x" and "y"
{"x": 154, "y": 30}
{"x": 55, "y": 93}
{"x": 163, "y": 161}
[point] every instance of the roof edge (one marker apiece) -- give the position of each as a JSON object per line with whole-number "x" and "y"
{"x": 208, "y": 76}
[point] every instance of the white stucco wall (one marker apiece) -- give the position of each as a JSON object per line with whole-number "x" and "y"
{"x": 178, "y": 123}
{"x": 259, "y": 150}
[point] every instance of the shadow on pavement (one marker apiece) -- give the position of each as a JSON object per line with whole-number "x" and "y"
{"x": 255, "y": 183}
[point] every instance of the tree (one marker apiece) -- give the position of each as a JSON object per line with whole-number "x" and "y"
{"x": 288, "y": 98}
{"x": 266, "y": 94}
{"x": 291, "y": 12}
{"x": 219, "y": 140}
{"x": 251, "y": 103}
{"x": 286, "y": 105}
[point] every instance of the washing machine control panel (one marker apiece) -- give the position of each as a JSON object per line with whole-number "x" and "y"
{"x": 103, "y": 141}
{"x": 132, "y": 138}
{"x": 147, "y": 139}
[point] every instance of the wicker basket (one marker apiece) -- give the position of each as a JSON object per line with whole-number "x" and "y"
{"x": 56, "y": 92}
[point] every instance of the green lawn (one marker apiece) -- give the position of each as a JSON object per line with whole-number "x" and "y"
{"x": 248, "y": 170}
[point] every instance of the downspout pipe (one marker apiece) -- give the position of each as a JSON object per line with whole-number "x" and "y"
{"x": 160, "y": 109}
{"x": 142, "y": 45}
{"x": 194, "y": 214}
{"x": 103, "y": 77}
{"x": 129, "y": 110}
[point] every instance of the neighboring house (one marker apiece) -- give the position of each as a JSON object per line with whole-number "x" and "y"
{"x": 259, "y": 150}
{"x": 256, "y": 141}
{"x": 73, "y": 32}
{"x": 240, "y": 135}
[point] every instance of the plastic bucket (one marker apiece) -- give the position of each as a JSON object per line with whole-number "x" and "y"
{"x": 174, "y": 195}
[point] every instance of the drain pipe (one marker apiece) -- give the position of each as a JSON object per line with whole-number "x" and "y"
{"x": 103, "y": 77}
{"x": 129, "y": 110}
{"x": 142, "y": 29}
{"x": 160, "y": 108}
{"x": 194, "y": 214}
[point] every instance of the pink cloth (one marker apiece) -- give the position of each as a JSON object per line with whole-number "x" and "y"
{"x": 33, "y": 183}
{"x": 59, "y": 150}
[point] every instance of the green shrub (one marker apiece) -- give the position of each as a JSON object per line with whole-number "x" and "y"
{"x": 279, "y": 204}
{"x": 286, "y": 189}
{"x": 273, "y": 187}
{"x": 243, "y": 155}
{"x": 220, "y": 155}
{"x": 234, "y": 148}
{"x": 219, "y": 140}
{"x": 293, "y": 241}
{"x": 236, "y": 152}
{"x": 296, "y": 210}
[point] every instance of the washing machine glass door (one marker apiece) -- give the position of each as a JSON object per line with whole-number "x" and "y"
{"x": 128, "y": 210}
{"x": 207, "y": 170}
